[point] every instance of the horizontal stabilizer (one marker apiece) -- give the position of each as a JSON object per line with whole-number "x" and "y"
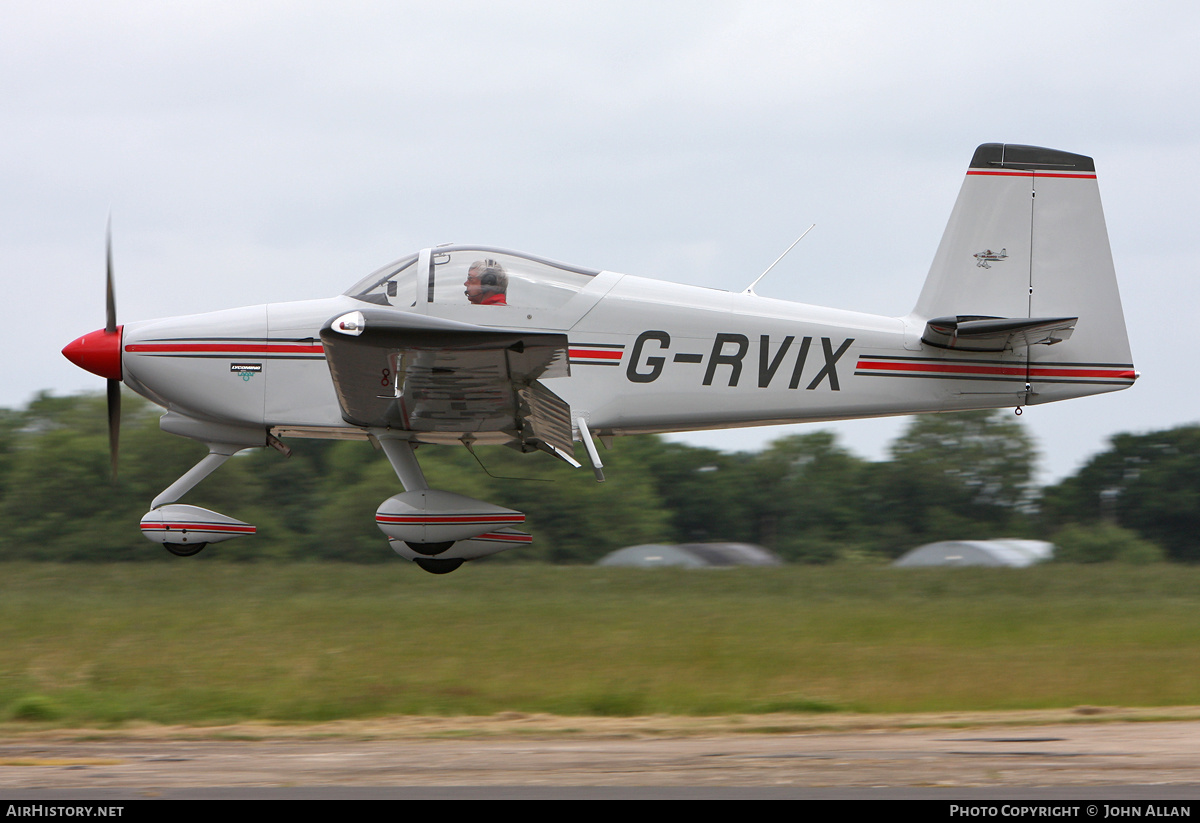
{"x": 977, "y": 333}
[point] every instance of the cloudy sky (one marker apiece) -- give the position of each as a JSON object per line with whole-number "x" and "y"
{"x": 268, "y": 151}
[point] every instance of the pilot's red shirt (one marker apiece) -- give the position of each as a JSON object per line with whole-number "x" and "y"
{"x": 494, "y": 300}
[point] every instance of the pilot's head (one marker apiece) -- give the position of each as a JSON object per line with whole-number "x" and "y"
{"x": 486, "y": 282}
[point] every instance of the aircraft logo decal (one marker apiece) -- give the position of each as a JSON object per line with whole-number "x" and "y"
{"x": 246, "y": 370}
{"x": 984, "y": 259}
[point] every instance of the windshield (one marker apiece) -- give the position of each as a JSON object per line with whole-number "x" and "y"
{"x": 474, "y": 275}
{"x": 392, "y": 285}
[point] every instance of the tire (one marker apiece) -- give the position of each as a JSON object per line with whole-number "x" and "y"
{"x": 434, "y": 566}
{"x": 184, "y": 549}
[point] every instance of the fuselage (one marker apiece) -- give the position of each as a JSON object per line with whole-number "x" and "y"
{"x": 645, "y": 356}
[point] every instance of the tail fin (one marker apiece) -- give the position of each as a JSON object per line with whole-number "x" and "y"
{"x": 1027, "y": 239}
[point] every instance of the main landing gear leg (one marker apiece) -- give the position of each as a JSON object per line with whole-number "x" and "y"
{"x": 400, "y": 453}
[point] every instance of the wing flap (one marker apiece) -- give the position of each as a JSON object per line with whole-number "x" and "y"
{"x": 547, "y": 419}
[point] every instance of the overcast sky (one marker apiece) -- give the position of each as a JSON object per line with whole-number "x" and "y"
{"x": 256, "y": 152}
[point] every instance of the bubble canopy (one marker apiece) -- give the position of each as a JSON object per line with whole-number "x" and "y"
{"x": 466, "y": 275}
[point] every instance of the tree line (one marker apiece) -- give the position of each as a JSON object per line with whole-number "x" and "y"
{"x": 950, "y": 476}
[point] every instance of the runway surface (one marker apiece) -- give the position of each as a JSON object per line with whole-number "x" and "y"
{"x": 1113, "y": 759}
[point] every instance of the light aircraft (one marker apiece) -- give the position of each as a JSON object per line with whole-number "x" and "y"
{"x": 473, "y": 345}
{"x": 987, "y": 257}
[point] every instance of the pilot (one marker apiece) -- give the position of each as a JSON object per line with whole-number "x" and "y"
{"x": 487, "y": 284}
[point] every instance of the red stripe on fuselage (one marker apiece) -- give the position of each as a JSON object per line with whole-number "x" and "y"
{"x": 237, "y": 348}
{"x": 596, "y": 354}
{"x": 1013, "y": 371}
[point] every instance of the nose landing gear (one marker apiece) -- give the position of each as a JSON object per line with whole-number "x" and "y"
{"x": 185, "y": 530}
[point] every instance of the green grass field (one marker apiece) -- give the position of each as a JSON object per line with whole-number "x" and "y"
{"x": 210, "y": 642}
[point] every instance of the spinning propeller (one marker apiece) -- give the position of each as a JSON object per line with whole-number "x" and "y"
{"x": 100, "y": 353}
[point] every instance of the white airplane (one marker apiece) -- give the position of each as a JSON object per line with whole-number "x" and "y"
{"x": 473, "y": 345}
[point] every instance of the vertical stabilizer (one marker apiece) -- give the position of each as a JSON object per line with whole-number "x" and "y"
{"x": 1027, "y": 239}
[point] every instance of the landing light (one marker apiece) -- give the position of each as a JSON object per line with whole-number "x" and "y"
{"x": 351, "y": 324}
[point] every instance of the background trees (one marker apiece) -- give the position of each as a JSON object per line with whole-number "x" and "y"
{"x": 1149, "y": 483}
{"x": 949, "y": 476}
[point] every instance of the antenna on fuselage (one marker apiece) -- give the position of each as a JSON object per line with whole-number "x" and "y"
{"x": 750, "y": 289}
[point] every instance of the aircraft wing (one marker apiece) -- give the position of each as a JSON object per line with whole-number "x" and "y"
{"x": 976, "y": 333}
{"x": 425, "y": 374}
